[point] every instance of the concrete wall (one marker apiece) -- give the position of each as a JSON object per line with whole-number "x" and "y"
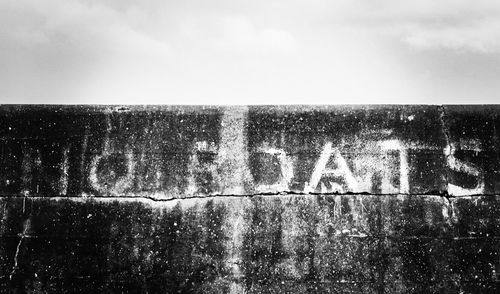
{"x": 159, "y": 199}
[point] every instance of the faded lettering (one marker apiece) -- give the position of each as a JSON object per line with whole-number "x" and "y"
{"x": 286, "y": 170}
{"x": 467, "y": 168}
{"x": 341, "y": 171}
{"x": 404, "y": 184}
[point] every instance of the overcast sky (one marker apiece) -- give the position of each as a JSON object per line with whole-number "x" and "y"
{"x": 249, "y": 52}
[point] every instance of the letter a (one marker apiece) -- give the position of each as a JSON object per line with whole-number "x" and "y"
{"x": 320, "y": 169}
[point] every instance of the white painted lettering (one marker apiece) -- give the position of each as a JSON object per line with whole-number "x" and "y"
{"x": 286, "y": 167}
{"x": 342, "y": 171}
{"x": 467, "y": 168}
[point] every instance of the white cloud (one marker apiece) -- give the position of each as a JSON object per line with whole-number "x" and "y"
{"x": 50, "y": 23}
{"x": 115, "y": 51}
{"x": 428, "y": 24}
{"x": 483, "y": 37}
{"x": 237, "y": 35}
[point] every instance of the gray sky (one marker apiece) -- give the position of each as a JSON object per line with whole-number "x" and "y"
{"x": 249, "y": 52}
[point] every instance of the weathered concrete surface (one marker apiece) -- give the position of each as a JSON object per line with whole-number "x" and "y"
{"x": 474, "y": 139}
{"x": 379, "y": 150}
{"x": 377, "y": 199}
{"x": 107, "y": 151}
{"x": 177, "y": 152}
{"x": 345, "y": 243}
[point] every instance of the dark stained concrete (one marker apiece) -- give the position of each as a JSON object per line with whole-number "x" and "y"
{"x": 104, "y": 151}
{"x": 177, "y": 152}
{"x": 164, "y": 199}
{"x": 358, "y": 133}
{"x": 359, "y": 243}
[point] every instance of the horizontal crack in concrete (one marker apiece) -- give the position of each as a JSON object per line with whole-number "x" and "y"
{"x": 288, "y": 193}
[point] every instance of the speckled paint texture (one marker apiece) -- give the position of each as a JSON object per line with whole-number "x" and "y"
{"x": 258, "y": 199}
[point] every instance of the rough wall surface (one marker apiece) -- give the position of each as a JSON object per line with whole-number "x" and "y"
{"x": 157, "y": 199}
